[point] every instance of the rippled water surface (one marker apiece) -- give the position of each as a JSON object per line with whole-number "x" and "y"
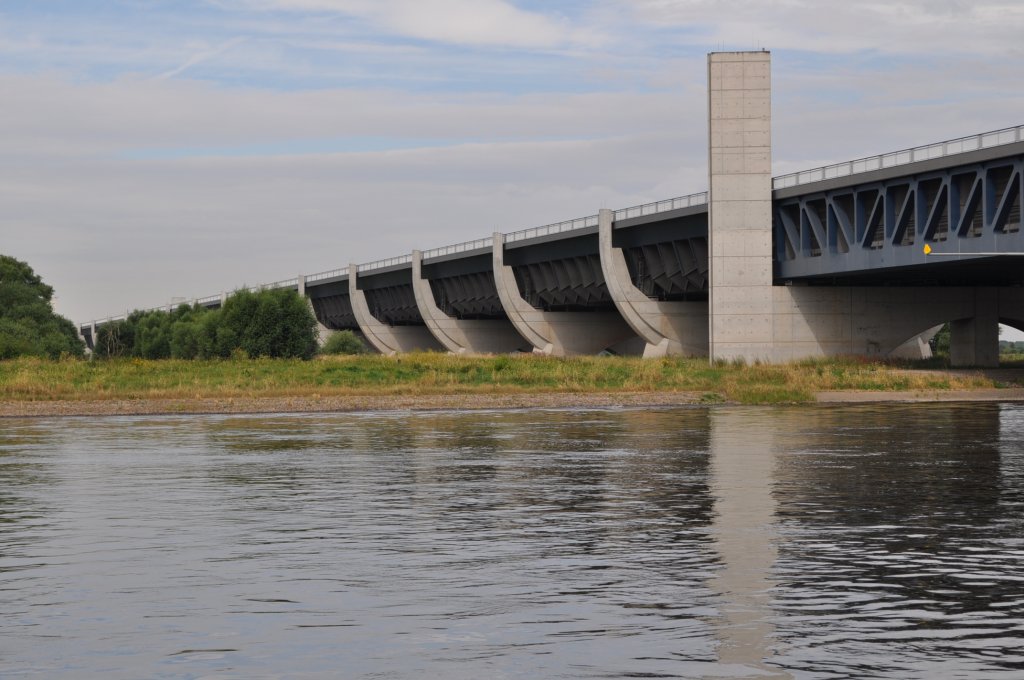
{"x": 841, "y": 542}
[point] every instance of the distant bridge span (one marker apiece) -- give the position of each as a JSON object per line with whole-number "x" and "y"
{"x": 822, "y": 262}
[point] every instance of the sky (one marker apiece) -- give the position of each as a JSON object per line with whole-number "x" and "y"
{"x": 158, "y": 150}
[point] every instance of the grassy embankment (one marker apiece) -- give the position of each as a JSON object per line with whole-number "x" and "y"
{"x": 433, "y": 374}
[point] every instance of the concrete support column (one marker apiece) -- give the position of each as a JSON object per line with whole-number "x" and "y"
{"x": 322, "y": 331}
{"x": 975, "y": 341}
{"x": 557, "y": 333}
{"x": 668, "y": 328}
{"x": 382, "y": 337}
{"x": 520, "y": 312}
{"x": 740, "y": 206}
{"x": 462, "y": 336}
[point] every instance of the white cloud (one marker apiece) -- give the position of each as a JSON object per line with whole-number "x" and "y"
{"x": 991, "y": 27}
{"x": 50, "y": 116}
{"x": 462, "y": 22}
{"x": 201, "y": 56}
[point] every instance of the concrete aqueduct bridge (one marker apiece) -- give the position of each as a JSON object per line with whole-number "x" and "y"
{"x": 823, "y": 262}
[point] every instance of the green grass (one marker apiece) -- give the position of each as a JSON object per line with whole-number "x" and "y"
{"x": 431, "y": 373}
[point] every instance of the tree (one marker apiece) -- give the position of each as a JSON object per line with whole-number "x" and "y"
{"x": 270, "y": 323}
{"x": 343, "y": 342}
{"x": 940, "y": 341}
{"x": 28, "y": 324}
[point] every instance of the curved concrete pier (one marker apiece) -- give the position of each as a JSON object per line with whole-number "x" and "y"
{"x": 555, "y": 333}
{"x": 384, "y": 338}
{"x": 668, "y": 328}
{"x": 462, "y": 336}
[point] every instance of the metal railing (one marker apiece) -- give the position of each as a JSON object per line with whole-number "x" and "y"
{"x": 459, "y": 248}
{"x": 556, "y": 228}
{"x": 700, "y": 198}
{"x": 984, "y": 140}
{"x": 380, "y": 264}
{"x": 203, "y": 301}
{"x": 320, "y": 276}
{"x": 286, "y": 283}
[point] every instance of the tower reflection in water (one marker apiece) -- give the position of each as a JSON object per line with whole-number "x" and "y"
{"x": 742, "y": 469}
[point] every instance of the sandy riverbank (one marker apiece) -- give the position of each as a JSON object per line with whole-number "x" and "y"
{"x": 330, "y": 404}
{"x": 122, "y": 407}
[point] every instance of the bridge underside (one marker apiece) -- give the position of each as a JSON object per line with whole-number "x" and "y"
{"x": 667, "y": 258}
{"x": 394, "y": 305}
{"x": 332, "y": 306}
{"x": 572, "y": 284}
{"x": 974, "y": 270}
{"x": 468, "y": 296}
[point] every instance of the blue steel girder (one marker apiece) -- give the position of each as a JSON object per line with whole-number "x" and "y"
{"x": 884, "y": 224}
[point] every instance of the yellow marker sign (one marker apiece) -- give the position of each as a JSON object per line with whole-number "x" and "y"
{"x": 927, "y": 249}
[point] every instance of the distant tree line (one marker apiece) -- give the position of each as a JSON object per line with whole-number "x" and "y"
{"x": 940, "y": 344}
{"x": 270, "y": 323}
{"x": 1011, "y": 346}
{"x": 28, "y": 324}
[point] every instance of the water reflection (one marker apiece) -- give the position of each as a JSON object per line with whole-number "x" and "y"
{"x": 732, "y": 542}
{"x": 893, "y": 544}
{"x": 743, "y": 461}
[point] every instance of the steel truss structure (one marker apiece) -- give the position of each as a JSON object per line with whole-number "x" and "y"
{"x": 967, "y": 209}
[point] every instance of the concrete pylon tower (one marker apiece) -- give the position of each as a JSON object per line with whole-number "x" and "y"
{"x": 740, "y": 206}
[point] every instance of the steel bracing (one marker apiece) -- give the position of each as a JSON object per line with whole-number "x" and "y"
{"x": 971, "y": 209}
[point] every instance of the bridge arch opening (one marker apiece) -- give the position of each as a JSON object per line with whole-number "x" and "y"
{"x": 919, "y": 345}
{"x": 939, "y": 341}
{"x": 1012, "y": 355}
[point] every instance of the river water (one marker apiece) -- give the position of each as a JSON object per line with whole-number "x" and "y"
{"x": 727, "y": 542}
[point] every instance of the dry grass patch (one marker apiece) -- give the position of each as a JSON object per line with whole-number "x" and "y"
{"x": 433, "y": 374}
